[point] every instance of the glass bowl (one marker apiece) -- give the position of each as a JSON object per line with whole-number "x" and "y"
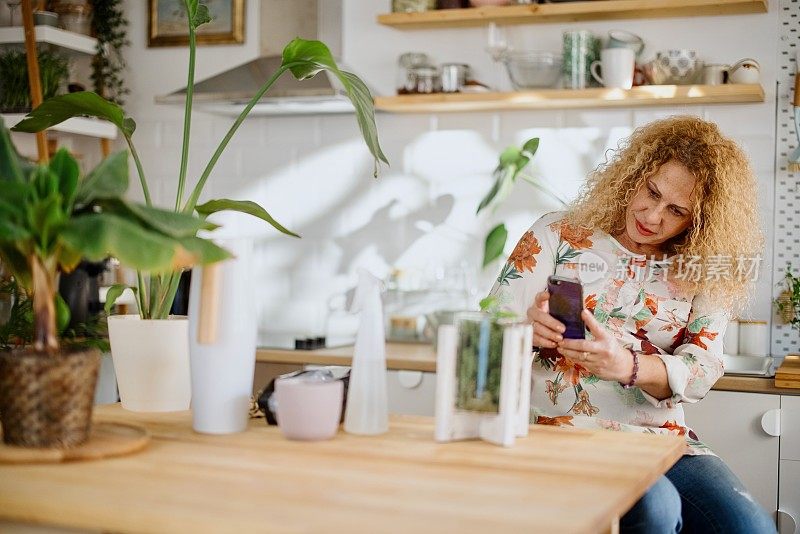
{"x": 533, "y": 69}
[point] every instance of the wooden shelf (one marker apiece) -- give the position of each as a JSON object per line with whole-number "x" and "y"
{"x": 74, "y": 42}
{"x": 570, "y": 12}
{"x": 647, "y": 95}
{"x": 77, "y": 125}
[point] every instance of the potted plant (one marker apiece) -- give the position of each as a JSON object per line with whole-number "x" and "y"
{"x": 788, "y": 302}
{"x": 512, "y": 162}
{"x": 15, "y": 94}
{"x": 156, "y": 292}
{"x": 50, "y": 218}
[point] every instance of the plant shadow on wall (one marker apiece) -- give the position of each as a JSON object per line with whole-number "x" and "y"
{"x": 303, "y": 59}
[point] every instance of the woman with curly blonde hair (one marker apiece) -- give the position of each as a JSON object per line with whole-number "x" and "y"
{"x": 665, "y": 241}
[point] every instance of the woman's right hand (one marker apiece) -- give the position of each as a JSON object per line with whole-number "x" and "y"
{"x": 547, "y": 329}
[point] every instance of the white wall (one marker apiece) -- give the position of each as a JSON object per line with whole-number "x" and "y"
{"x": 314, "y": 175}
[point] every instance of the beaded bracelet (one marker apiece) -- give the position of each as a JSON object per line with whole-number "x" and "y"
{"x": 635, "y": 373}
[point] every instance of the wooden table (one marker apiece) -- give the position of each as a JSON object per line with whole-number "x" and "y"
{"x": 556, "y": 480}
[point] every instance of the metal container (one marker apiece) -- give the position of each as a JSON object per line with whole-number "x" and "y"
{"x": 454, "y": 77}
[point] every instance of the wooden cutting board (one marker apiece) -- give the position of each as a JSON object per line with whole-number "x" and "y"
{"x": 788, "y": 374}
{"x": 106, "y": 440}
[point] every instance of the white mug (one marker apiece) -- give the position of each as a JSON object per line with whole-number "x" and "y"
{"x": 715, "y": 74}
{"x": 617, "y": 65}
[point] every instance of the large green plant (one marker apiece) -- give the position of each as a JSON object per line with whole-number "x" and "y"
{"x": 51, "y": 217}
{"x": 303, "y": 59}
{"x": 513, "y": 161}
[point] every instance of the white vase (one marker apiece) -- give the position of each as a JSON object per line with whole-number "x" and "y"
{"x": 222, "y": 368}
{"x": 151, "y": 360}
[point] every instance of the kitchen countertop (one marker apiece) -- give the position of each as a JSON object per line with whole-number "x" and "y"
{"x": 420, "y": 357}
{"x": 556, "y": 479}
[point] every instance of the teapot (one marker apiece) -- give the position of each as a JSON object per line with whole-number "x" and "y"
{"x": 744, "y": 71}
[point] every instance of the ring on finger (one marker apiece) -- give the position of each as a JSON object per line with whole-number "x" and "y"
{"x": 584, "y": 356}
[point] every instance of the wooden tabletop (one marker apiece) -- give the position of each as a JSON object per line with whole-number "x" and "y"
{"x": 555, "y": 480}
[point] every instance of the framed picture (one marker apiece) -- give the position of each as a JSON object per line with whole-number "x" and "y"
{"x": 169, "y": 26}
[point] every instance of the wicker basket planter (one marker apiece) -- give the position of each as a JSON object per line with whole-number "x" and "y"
{"x": 46, "y": 401}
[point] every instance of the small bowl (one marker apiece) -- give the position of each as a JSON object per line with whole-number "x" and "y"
{"x": 308, "y": 410}
{"x": 533, "y": 69}
{"x": 45, "y": 18}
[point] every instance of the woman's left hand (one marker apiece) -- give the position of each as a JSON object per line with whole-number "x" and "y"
{"x": 602, "y": 356}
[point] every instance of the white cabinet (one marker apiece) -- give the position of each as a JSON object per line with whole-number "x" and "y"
{"x": 789, "y": 498}
{"x": 790, "y": 428}
{"x": 730, "y": 423}
{"x": 789, "y": 491}
{"x": 411, "y": 392}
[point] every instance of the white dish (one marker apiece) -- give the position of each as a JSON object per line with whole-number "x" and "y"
{"x": 744, "y": 365}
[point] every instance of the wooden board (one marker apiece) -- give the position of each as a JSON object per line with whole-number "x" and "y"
{"x": 106, "y": 440}
{"x": 646, "y": 95}
{"x": 555, "y": 480}
{"x": 400, "y": 356}
{"x": 788, "y": 374}
{"x": 570, "y": 12}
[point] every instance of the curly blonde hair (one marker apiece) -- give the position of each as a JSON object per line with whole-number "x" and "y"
{"x": 725, "y": 219}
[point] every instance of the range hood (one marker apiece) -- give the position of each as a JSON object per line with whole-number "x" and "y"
{"x": 280, "y": 21}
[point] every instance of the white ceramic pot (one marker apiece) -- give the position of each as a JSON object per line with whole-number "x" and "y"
{"x": 151, "y": 360}
{"x": 222, "y": 368}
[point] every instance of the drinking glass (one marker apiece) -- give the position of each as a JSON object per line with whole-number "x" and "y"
{"x": 497, "y": 42}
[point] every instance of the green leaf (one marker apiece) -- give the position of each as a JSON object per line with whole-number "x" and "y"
{"x": 242, "y": 206}
{"x": 63, "y": 314}
{"x": 361, "y": 98}
{"x": 489, "y": 196}
{"x": 167, "y": 222}
{"x": 45, "y": 182}
{"x": 12, "y": 166}
{"x": 68, "y": 258}
{"x": 11, "y": 232}
{"x": 198, "y": 13}
{"x": 307, "y": 58}
{"x": 64, "y": 166}
{"x": 57, "y": 109}
{"x": 99, "y": 235}
{"x": 495, "y": 242}
{"x": 205, "y": 250}
{"x": 115, "y": 292}
{"x": 530, "y": 147}
{"x": 488, "y": 303}
{"x": 45, "y": 219}
{"x": 108, "y": 180}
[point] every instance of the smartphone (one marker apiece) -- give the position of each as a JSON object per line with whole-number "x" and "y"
{"x": 566, "y": 304}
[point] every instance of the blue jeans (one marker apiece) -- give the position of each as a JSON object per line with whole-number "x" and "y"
{"x": 699, "y": 494}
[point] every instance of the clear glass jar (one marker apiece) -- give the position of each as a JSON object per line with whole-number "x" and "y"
{"x": 425, "y": 79}
{"x": 406, "y": 75}
{"x": 412, "y": 6}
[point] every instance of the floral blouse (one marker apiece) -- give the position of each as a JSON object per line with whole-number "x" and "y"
{"x": 635, "y": 299}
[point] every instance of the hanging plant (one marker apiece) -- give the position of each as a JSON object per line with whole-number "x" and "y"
{"x": 109, "y": 26}
{"x": 788, "y": 302}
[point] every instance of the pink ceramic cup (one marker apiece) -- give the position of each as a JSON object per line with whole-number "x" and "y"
{"x": 308, "y": 410}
